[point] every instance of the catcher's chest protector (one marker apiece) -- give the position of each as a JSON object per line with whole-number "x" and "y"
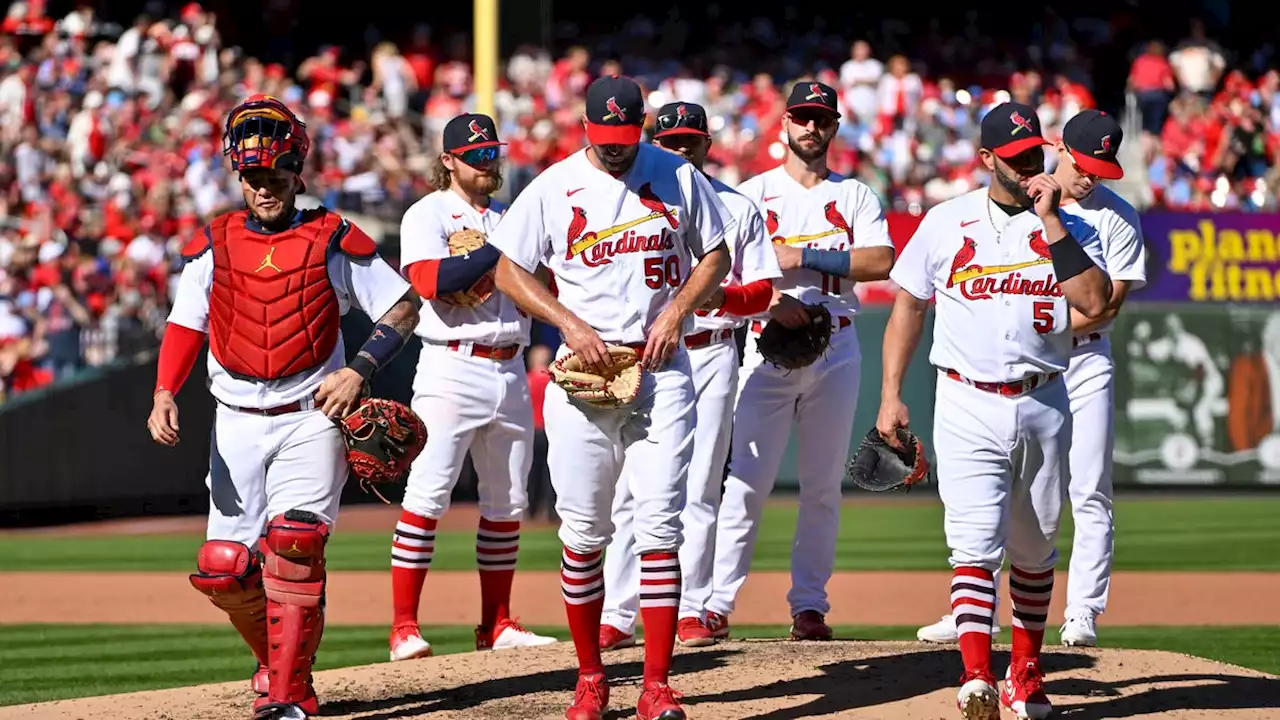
{"x": 272, "y": 309}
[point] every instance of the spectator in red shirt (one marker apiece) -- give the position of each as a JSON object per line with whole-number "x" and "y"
{"x": 1151, "y": 79}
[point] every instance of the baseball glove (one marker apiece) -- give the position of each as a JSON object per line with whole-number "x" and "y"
{"x": 794, "y": 348}
{"x": 618, "y": 387}
{"x": 383, "y": 437}
{"x": 879, "y": 467}
{"x": 463, "y": 242}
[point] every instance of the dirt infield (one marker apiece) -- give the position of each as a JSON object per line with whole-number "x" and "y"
{"x": 859, "y": 598}
{"x": 738, "y": 679}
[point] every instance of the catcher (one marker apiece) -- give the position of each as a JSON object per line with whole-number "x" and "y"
{"x": 470, "y": 388}
{"x": 268, "y": 286}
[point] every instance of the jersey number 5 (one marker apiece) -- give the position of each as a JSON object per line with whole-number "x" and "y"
{"x": 658, "y": 270}
{"x": 1042, "y": 316}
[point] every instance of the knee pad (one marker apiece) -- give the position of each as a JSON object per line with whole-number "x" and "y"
{"x": 293, "y": 550}
{"x": 226, "y": 570}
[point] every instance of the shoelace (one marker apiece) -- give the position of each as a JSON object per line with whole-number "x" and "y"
{"x": 514, "y": 624}
{"x": 1030, "y": 678}
{"x": 589, "y": 689}
{"x": 664, "y": 692}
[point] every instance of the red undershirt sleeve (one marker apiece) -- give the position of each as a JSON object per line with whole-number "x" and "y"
{"x": 423, "y": 276}
{"x": 179, "y": 350}
{"x": 750, "y": 299}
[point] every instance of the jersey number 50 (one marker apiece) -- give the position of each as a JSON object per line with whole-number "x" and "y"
{"x": 1042, "y": 316}
{"x": 658, "y": 270}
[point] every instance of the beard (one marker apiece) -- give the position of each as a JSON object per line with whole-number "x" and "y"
{"x": 808, "y": 154}
{"x": 485, "y": 183}
{"x": 616, "y": 159}
{"x": 1012, "y": 187}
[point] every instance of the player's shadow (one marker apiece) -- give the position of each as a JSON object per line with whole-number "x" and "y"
{"x": 869, "y": 682}
{"x": 1224, "y": 692}
{"x": 509, "y": 689}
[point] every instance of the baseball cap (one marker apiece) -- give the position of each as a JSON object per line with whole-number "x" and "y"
{"x": 469, "y": 131}
{"x": 1093, "y": 138}
{"x": 680, "y": 118}
{"x": 1011, "y": 128}
{"x": 814, "y": 95}
{"x": 615, "y": 111}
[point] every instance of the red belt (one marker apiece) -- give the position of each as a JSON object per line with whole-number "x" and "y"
{"x": 505, "y": 352}
{"x": 706, "y": 337}
{"x": 1085, "y": 339}
{"x": 307, "y": 403}
{"x": 1007, "y": 389}
{"x": 841, "y": 323}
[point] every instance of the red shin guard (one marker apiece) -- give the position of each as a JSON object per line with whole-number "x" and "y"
{"x": 230, "y": 574}
{"x": 294, "y": 578}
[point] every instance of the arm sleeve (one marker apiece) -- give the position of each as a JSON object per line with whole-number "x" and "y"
{"x": 916, "y": 266}
{"x": 432, "y": 278}
{"x": 179, "y": 350}
{"x": 750, "y": 299}
{"x": 870, "y": 229}
{"x": 707, "y": 216}
{"x": 522, "y": 234}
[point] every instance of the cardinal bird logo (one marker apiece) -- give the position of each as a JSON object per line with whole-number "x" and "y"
{"x": 1020, "y": 123}
{"x": 577, "y": 224}
{"x": 816, "y": 93}
{"x": 682, "y": 111}
{"x": 1106, "y": 146}
{"x": 1038, "y": 245}
{"x": 477, "y": 132}
{"x": 837, "y": 220}
{"x": 650, "y": 199}
{"x": 771, "y": 222}
{"x": 963, "y": 257}
{"x": 615, "y": 110}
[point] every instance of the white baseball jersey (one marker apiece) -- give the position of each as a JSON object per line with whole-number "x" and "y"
{"x": 620, "y": 248}
{"x": 424, "y": 235}
{"x": 753, "y": 259}
{"x": 370, "y": 285}
{"x": 1001, "y": 315}
{"x": 1124, "y": 254}
{"x": 838, "y": 213}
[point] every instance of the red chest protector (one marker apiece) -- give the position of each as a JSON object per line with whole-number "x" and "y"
{"x": 272, "y": 310}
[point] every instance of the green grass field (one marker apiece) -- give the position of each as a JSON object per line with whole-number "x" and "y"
{"x": 1201, "y": 534}
{"x": 45, "y": 662}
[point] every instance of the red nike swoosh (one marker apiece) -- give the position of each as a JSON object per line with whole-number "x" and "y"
{"x": 967, "y": 223}
{"x": 570, "y": 193}
{"x": 455, "y": 217}
{"x": 771, "y": 197}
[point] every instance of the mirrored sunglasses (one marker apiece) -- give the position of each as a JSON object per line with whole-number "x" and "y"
{"x": 480, "y": 155}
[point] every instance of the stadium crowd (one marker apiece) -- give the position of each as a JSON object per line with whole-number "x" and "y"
{"x": 110, "y": 139}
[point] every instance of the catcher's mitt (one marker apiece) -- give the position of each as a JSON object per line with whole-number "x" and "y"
{"x": 794, "y": 348}
{"x": 879, "y": 467}
{"x": 462, "y": 242}
{"x": 617, "y": 388}
{"x": 383, "y": 437}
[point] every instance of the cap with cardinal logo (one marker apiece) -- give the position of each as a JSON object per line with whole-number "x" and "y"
{"x": 469, "y": 131}
{"x": 615, "y": 111}
{"x": 1093, "y": 138}
{"x": 813, "y": 95}
{"x": 1011, "y": 128}
{"x": 680, "y": 118}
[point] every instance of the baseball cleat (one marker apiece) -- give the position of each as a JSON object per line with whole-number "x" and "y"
{"x": 718, "y": 625}
{"x": 280, "y": 711}
{"x": 978, "y": 699}
{"x": 1024, "y": 692}
{"x": 944, "y": 631}
{"x": 407, "y": 643}
{"x": 1080, "y": 630}
{"x": 810, "y": 625}
{"x": 659, "y": 702}
{"x": 509, "y": 634}
{"x": 690, "y": 632}
{"x": 611, "y": 638}
{"x": 590, "y": 698}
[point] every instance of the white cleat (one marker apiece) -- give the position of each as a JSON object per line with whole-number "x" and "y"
{"x": 511, "y": 634}
{"x": 978, "y": 700}
{"x": 1080, "y": 631}
{"x": 944, "y": 631}
{"x": 407, "y": 644}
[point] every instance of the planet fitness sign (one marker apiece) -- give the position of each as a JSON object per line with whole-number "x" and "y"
{"x": 1208, "y": 257}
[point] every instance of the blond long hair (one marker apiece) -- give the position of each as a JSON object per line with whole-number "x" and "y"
{"x": 440, "y": 177}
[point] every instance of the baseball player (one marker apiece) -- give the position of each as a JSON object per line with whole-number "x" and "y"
{"x": 828, "y": 233}
{"x": 268, "y": 286}
{"x": 1005, "y": 281}
{"x": 619, "y": 224}
{"x": 1091, "y": 141}
{"x": 713, "y": 355}
{"x": 470, "y": 390}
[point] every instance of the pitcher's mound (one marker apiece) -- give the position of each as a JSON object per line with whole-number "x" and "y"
{"x": 737, "y": 679}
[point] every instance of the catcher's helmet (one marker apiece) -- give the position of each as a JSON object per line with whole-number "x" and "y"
{"x": 262, "y": 132}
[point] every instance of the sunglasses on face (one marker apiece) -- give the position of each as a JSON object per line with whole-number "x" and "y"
{"x": 479, "y": 156}
{"x": 819, "y": 120}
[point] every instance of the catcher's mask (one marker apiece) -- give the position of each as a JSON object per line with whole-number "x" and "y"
{"x": 262, "y": 132}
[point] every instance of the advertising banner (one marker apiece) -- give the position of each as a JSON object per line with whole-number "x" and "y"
{"x": 1211, "y": 257}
